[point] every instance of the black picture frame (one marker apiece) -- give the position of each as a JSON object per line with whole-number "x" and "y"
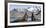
{"x": 6, "y": 13}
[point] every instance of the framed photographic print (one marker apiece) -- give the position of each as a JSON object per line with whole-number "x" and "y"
{"x": 20, "y": 13}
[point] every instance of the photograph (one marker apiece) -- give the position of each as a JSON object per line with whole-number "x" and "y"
{"x": 24, "y": 13}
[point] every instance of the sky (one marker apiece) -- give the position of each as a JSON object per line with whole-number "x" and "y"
{"x": 21, "y": 6}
